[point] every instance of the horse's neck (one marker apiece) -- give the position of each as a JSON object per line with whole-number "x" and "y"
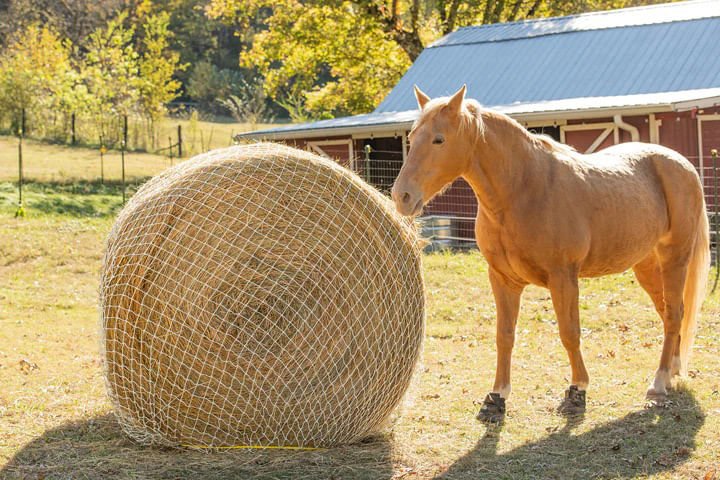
{"x": 503, "y": 165}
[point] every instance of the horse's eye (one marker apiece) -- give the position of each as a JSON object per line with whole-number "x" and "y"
{"x": 439, "y": 140}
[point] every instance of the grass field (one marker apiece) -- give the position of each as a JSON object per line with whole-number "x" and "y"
{"x": 55, "y": 420}
{"x": 53, "y": 163}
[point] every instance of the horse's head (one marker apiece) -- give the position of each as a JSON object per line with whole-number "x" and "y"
{"x": 439, "y": 151}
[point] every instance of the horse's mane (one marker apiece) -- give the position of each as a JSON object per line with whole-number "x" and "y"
{"x": 551, "y": 145}
{"x": 471, "y": 121}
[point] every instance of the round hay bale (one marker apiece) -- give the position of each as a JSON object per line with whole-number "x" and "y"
{"x": 256, "y": 296}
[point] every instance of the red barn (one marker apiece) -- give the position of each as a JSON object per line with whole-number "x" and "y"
{"x": 650, "y": 74}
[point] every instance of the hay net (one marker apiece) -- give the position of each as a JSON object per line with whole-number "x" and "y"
{"x": 255, "y": 296}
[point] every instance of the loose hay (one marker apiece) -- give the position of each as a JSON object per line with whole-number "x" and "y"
{"x": 259, "y": 295}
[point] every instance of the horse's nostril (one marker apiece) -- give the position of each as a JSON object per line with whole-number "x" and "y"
{"x": 406, "y": 197}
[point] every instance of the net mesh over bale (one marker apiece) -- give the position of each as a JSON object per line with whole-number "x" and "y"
{"x": 259, "y": 295}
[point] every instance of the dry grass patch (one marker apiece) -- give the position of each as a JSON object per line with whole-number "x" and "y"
{"x": 56, "y": 421}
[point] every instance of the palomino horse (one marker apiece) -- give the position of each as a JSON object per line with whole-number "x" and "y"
{"x": 548, "y": 215}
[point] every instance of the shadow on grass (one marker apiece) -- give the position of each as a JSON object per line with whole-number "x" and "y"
{"x": 639, "y": 444}
{"x": 76, "y": 199}
{"x": 97, "y": 448}
{"x": 75, "y": 207}
{"x": 82, "y": 187}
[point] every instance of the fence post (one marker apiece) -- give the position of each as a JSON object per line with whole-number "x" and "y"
{"x": 20, "y": 212}
{"x": 170, "y": 150}
{"x": 180, "y": 152}
{"x": 123, "y": 145}
{"x": 716, "y": 215}
{"x": 72, "y": 129}
{"x": 368, "y": 151}
{"x": 102, "y": 162}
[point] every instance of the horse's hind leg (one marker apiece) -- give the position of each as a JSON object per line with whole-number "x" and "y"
{"x": 674, "y": 269}
{"x": 649, "y": 276}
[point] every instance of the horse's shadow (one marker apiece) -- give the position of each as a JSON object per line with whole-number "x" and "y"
{"x": 642, "y": 443}
{"x": 639, "y": 444}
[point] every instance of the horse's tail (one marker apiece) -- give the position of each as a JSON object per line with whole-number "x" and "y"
{"x": 695, "y": 284}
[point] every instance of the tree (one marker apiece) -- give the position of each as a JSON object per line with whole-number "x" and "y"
{"x": 328, "y": 59}
{"x": 157, "y": 65}
{"x": 111, "y": 73}
{"x": 209, "y": 84}
{"x": 71, "y": 19}
{"x": 36, "y": 73}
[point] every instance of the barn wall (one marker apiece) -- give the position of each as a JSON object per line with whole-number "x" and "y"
{"x": 679, "y": 132}
{"x": 337, "y": 152}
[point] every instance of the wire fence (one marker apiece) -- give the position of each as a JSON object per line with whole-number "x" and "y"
{"x": 448, "y": 220}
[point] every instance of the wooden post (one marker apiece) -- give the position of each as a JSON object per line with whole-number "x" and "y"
{"x": 123, "y": 145}
{"x": 102, "y": 162}
{"x": 20, "y": 211}
{"x": 716, "y": 215}
{"x": 170, "y": 150}
{"x": 72, "y": 129}
{"x": 180, "y": 152}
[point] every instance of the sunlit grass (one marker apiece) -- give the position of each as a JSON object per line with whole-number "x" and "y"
{"x": 56, "y": 422}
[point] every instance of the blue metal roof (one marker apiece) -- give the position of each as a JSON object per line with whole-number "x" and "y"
{"x": 661, "y": 48}
{"x": 399, "y": 121}
{"x": 627, "y": 17}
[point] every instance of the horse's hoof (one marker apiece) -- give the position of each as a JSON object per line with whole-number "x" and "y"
{"x": 493, "y": 409}
{"x": 656, "y": 399}
{"x": 573, "y": 403}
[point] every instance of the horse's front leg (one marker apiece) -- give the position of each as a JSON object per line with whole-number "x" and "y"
{"x": 507, "y": 303}
{"x": 564, "y": 291}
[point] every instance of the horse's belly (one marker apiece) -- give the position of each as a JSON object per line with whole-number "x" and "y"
{"x": 620, "y": 250}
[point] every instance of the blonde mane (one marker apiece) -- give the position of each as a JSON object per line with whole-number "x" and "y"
{"x": 471, "y": 122}
{"x": 551, "y": 145}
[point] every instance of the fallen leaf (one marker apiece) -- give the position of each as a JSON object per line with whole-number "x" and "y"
{"x": 683, "y": 452}
{"x": 431, "y": 397}
{"x": 710, "y": 475}
{"x": 26, "y": 366}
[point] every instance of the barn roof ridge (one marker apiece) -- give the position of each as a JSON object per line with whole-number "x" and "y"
{"x": 581, "y": 22}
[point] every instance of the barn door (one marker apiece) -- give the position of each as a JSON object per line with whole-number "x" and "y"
{"x": 339, "y": 150}
{"x": 589, "y": 137}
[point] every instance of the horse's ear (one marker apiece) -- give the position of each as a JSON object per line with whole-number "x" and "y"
{"x": 422, "y": 99}
{"x": 456, "y": 100}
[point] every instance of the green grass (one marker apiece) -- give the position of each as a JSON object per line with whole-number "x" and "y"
{"x": 57, "y": 422}
{"x": 64, "y": 164}
{"x": 46, "y": 162}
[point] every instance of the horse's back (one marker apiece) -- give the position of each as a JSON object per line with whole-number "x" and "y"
{"x": 638, "y": 192}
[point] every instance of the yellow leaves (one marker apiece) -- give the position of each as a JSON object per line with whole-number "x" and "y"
{"x": 333, "y": 57}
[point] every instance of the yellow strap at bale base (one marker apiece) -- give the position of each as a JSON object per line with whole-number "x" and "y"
{"x": 250, "y": 447}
